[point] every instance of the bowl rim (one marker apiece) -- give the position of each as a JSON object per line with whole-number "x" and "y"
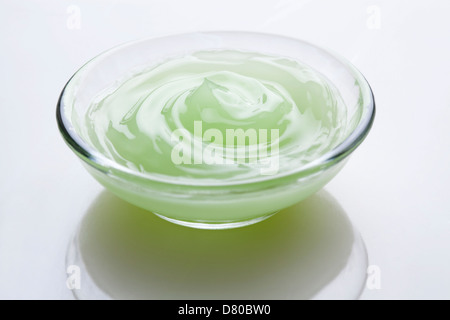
{"x": 96, "y": 159}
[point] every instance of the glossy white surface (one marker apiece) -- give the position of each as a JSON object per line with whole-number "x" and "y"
{"x": 394, "y": 189}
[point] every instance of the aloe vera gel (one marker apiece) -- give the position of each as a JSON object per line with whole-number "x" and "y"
{"x": 225, "y": 116}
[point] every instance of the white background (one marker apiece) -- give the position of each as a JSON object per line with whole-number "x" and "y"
{"x": 395, "y": 189}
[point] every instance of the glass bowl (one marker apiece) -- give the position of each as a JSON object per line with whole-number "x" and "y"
{"x": 213, "y": 205}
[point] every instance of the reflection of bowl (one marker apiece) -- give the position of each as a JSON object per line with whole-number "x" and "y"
{"x": 308, "y": 251}
{"x": 213, "y": 205}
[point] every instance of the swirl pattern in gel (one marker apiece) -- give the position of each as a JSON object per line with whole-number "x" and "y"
{"x": 134, "y": 122}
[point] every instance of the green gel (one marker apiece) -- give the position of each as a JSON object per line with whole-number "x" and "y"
{"x": 134, "y": 121}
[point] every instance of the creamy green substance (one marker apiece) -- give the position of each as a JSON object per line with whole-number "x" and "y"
{"x": 142, "y": 122}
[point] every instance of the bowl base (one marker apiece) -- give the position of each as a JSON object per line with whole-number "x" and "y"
{"x": 216, "y": 225}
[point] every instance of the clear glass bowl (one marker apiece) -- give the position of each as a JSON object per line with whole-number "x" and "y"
{"x": 213, "y": 205}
